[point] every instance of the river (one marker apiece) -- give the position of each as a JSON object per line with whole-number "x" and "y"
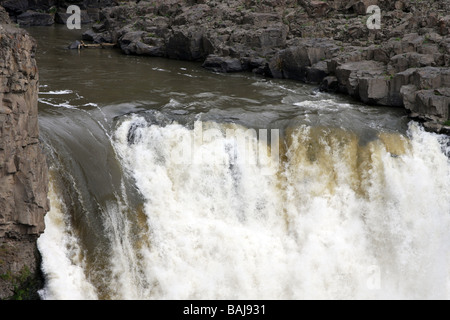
{"x": 172, "y": 182}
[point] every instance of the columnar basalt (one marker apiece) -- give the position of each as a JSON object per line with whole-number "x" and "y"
{"x": 324, "y": 43}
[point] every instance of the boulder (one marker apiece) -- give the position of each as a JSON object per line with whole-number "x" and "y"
{"x": 431, "y": 77}
{"x": 191, "y": 14}
{"x": 33, "y": 18}
{"x": 318, "y": 9}
{"x": 222, "y": 64}
{"x": 129, "y": 40}
{"x": 74, "y": 45}
{"x": 4, "y": 17}
{"x": 329, "y": 84}
{"x": 444, "y": 25}
{"x": 431, "y": 104}
{"x": 186, "y": 44}
{"x": 360, "y": 7}
{"x": 262, "y": 39}
{"x": 90, "y": 35}
{"x": 434, "y": 102}
{"x": 378, "y": 53}
{"x": 261, "y": 19}
{"x": 374, "y": 90}
{"x": 295, "y": 61}
{"x": 350, "y": 73}
{"x": 404, "y": 61}
{"x": 255, "y": 64}
{"x": 317, "y": 72}
{"x": 15, "y": 7}
{"x": 433, "y": 126}
{"x": 153, "y": 49}
{"x": 61, "y": 17}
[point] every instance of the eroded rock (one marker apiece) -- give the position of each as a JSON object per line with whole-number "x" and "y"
{"x": 23, "y": 167}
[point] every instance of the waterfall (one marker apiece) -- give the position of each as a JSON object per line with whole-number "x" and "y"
{"x": 321, "y": 215}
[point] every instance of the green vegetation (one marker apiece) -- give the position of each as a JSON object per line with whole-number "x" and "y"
{"x": 447, "y": 123}
{"x": 53, "y": 10}
{"x": 25, "y": 284}
{"x": 389, "y": 76}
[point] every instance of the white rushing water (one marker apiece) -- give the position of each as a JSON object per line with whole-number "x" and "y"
{"x": 62, "y": 263}
{"x": 336, "y": 220}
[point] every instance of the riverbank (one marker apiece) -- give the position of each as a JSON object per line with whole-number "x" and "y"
{"x": 403, "y": 64}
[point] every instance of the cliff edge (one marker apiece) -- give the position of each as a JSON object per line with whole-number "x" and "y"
{"x": 23, "y": 167}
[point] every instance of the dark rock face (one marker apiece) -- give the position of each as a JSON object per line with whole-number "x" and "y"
{"x": 15, "y": 7}
{"x": 32, "y": 18}
{"x": 427, "y": 96}
{"x": 186, "y": 44}
{"x": 23, "y": 167}
{"x": 47, "y": 12}
{"x": 222, "y": 64}
{"x": 304, "y": 61}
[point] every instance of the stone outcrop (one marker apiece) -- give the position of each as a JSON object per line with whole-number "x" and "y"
{"x": 48, "y": 12}
{"x": 23, "y": 167}
{"x": 427, "y": 96}
{"x": 324, "y": 43}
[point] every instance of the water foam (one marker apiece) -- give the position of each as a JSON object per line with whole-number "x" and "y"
{"x": 338, "y": 219}
{"x": 62, "y": 257}
{"x": 57, "y": 92}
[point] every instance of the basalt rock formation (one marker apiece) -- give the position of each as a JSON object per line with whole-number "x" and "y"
{"x": 48, "y": 12}
{"x": 23, "y": 167}
{"x": 326, "y": 43}
{"x": 405, "y": 63}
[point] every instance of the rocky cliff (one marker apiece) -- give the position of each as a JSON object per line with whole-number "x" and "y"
{"x": 48, "y": 12}
{"x": 404, "y": 63}
{"x": 23, "y": 167}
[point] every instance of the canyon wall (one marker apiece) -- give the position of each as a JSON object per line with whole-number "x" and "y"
{"x": 23, "y": 167}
